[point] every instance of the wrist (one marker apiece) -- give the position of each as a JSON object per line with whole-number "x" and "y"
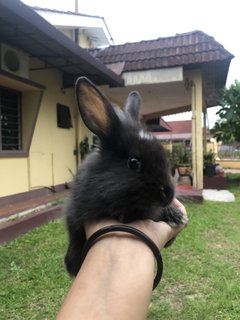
{"x": 127, "y": 230}
{"x": 159, "y": 232}
{"x": 120, "y": 244}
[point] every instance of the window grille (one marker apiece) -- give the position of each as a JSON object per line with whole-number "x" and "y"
{"x": 10, "y": 120}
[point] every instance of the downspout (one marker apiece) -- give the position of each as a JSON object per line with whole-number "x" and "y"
{"x": 52, "y": 164}
{"x": 76, "y": 31}
{"x": 29, "y": 172}
{"x": 76, "y": 152}
{"x": 204, "y": 129}
{"x": 194, "y": 138}
{"x": 204, "y": 122}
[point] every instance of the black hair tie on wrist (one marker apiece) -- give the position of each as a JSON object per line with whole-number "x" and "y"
{"x": 89, "y": 243}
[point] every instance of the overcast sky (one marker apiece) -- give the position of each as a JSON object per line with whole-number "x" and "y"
{"x": 135, "y": 20}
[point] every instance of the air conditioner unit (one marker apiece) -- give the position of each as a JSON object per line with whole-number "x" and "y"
{"x": 14, "y": 61}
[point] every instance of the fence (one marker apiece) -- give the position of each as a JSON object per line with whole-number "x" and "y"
{"x": 229, "y": 151}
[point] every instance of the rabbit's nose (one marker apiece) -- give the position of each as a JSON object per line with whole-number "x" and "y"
{"x": 166, "y": 195}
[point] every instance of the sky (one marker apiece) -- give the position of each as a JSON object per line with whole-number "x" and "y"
{"x": 135, "y": 20}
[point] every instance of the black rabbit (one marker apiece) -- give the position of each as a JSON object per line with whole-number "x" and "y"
{"x": 127, "y": 177}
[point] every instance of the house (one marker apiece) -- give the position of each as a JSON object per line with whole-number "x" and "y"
{"x": 39, "y": 149}
{"x": 40, "y": 129}
{"x": 173, "y": 74}
{"x": 86, "y": 30}
{"x": 179, "y": 131}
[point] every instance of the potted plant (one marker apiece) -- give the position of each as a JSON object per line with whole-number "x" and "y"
{"x": 213, "y": 173}
{"x": 184, "y": 160}
{"x": 209, "y": 162}
{"x": 84, "y": 147}
{"x": 184, "y": 165}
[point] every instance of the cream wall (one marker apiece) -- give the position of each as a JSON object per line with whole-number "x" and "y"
{"x": 30, "y": 102}
{"x": 84, "y": 41}
{"x": 14, "y": 178}
{"x": 212, "y": 147}
{"x": 229, "y": 164}
{"x": 51, "y": 157}
{"x": 51, "y": 153}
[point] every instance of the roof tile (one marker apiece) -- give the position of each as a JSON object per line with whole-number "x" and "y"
{"x": 182, "y": 49}
{"x": 180, "y": 126}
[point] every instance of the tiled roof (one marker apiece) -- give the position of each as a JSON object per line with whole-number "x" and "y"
{"x": 158, "y": 125}
{"x": 182, "y": 126}
{"x": 179, "y": 130}
{"x": 180, "y": 50}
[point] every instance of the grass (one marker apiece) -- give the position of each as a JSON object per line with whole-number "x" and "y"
{"x": 32, "y": 274}
{"x": 201, "y": 270}
{"x": 202, "y": 275}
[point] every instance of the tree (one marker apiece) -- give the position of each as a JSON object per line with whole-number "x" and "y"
{"x": 227, "y": 128}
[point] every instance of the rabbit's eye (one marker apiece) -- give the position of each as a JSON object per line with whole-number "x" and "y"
{"x": 134, "y": 164}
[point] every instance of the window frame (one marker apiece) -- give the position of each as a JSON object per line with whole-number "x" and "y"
{"x": 18, "y": 101}
{"x": 24, "y": 86}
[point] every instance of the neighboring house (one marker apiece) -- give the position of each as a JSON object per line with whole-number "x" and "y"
{"x": 40, "y": 128}
{"x": 171, "y": 133}
{"x": 86, "y": 30}
{"x": 179, "y": 131}
{"x": 173, "y": 74}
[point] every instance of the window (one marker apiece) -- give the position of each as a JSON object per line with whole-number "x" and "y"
{"x": 10, "y": 120}
{"x": 63, "y": 117}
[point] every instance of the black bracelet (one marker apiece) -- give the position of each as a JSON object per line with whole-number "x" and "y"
{"x": 135, "y": 232}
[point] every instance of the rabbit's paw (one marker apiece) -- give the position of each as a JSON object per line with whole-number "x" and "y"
{"x": 174, "y": 217}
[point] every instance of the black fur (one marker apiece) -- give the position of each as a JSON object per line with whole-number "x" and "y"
{"x": 105, "y": 186}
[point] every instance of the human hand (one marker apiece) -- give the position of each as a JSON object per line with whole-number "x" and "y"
{"x": 160, "y": 232}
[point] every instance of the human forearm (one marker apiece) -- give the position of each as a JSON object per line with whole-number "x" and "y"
{"x": 112, "y": 284}
{"x": 115, "y": 281}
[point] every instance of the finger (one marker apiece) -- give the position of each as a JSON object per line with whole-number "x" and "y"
{"x": 177, "y": 204}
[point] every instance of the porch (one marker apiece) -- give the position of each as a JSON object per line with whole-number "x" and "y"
{"x": 174, "y": 74}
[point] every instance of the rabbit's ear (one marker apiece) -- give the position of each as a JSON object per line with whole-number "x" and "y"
{"x": 132, "y": 106}
{"x": 95, "y": 109}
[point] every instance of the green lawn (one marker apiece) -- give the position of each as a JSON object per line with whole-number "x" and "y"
{"x": 201, "y": 277}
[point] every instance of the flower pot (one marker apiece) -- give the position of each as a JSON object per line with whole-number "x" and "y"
{"x": 184, "y": 169}
{"x": 210, "y": 169}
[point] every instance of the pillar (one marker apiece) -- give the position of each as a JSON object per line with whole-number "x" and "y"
{"x": 194, "y": 83}
{"x": 197, "y": 132}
